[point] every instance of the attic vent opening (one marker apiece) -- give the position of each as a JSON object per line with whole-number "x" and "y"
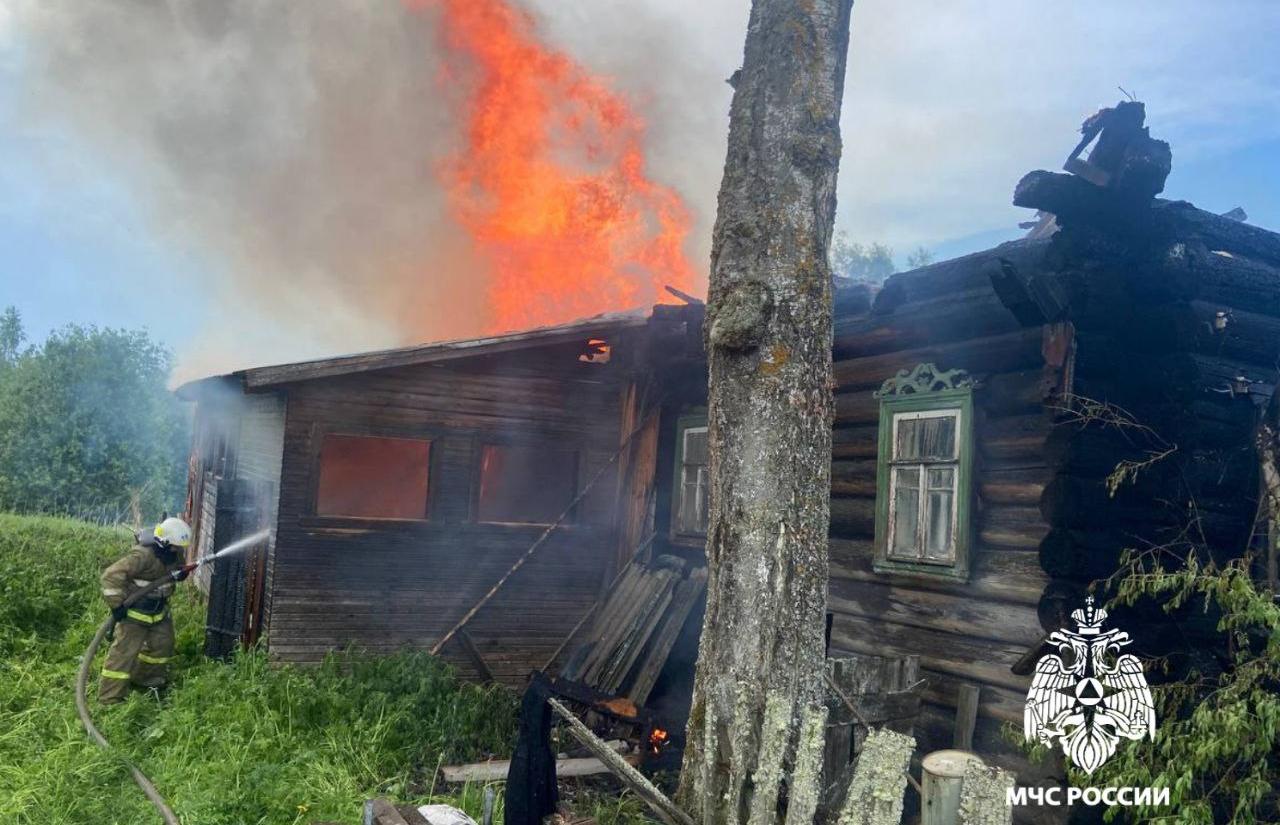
{"x": 596, "y": 351}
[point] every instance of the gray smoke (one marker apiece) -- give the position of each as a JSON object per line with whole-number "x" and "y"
{"x": 290, "y": 145}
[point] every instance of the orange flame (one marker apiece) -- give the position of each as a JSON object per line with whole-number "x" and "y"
{"x": 550, "y": 182}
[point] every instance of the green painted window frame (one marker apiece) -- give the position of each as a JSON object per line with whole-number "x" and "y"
{"x": 686, "y": 421}
{"x": 960, "y": 399}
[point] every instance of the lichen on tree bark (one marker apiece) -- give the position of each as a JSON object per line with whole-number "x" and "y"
{"x": 769, "y": 412}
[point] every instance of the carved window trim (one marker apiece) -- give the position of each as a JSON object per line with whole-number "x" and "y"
{"x": 926, "y": 392}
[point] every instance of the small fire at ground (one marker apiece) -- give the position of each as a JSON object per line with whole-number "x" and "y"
{"x": 658, "y": 739}
{"x": 551, "y": 180}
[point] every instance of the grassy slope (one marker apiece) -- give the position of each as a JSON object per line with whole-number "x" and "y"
{"x": 230, "y": 743}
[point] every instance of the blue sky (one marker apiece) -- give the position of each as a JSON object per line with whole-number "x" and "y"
{"x": 947, "y": 103}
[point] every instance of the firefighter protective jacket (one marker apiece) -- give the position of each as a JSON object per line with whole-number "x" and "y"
{"x": 135, "y": 571}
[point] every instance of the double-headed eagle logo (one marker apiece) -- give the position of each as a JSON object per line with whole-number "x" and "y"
{"x": 1091, "y": 696}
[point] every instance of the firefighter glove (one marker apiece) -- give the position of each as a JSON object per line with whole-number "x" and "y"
{"x": 119, "y": 612}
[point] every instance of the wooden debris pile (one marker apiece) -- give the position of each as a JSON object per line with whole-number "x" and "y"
{"x": 636, "y": 628}
{"x": 865, "y": 693}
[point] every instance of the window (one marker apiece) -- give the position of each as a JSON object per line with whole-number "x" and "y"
{"x": 525, "y": 484}
{"x": 925, "y": 466}
{"x": 373, "y": 477}
{"x": 691, "y": 508}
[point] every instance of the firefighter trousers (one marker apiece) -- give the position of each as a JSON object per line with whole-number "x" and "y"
{"x": 139, "y": 656}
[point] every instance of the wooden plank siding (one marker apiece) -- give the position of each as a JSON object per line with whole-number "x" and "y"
{"x": 259, "y": 456}
{"x": 970, "y": 631}
{"x": 382, "y": 585}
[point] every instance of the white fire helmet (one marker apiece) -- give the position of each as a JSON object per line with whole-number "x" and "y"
{"x": 173, "y": 532}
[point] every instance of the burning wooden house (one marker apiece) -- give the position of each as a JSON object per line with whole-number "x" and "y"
{"x": 490, "y": 492}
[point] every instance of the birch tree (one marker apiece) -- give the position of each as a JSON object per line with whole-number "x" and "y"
{"x": 768, "y": 337}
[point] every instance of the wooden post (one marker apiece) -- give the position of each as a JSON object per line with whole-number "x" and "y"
{"x": 966, "y": 716}
{"x": 942, "y": 778}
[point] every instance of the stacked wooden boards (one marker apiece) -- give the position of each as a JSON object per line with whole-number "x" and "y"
{"x": 636, "y": 628}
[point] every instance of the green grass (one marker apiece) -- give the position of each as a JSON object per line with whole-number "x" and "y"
{"x": 238, "y": 742}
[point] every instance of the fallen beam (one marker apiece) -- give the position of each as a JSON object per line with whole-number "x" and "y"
{"x": 657, "y": 801}
{"x": 496, "y": 770}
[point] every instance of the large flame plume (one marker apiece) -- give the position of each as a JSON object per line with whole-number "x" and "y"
{"x": 550, "y": 180}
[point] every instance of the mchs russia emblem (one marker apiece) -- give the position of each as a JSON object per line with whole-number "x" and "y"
{"x": 1089, "y": 696}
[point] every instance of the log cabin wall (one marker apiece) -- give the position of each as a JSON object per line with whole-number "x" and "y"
{"x": 382, "y": 585}
{"x": 1170, "y": 305}
{"x": 964, "y": 632}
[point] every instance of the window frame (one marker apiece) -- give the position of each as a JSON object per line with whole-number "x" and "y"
{"x": 318, "y": 435}
{"x": 518, "y": 442}
{"x": 685, "y": 422}
{"x": 905, "y": 394}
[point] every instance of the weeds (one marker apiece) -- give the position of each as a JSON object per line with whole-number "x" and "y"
{"x": 236, "y": 743}
{"x": 241, "y": 742}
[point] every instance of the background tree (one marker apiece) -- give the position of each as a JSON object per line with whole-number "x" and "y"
{"x": 761, "y": 658}
{"x": 11, "y": 337}
{"x": 918, "y": 257}
{"x": 87, "y": 426}
{"x": 870, "y": 263}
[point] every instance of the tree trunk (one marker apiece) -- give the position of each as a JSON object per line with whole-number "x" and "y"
{"x": 768, "y": 341}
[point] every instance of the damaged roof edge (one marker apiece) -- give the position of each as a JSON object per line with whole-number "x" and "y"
{"x": 263, "y": 377}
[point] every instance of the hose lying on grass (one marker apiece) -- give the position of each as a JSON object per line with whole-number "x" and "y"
{"x": 82, "y": 704}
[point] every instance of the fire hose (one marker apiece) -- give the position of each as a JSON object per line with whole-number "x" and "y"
{"x": 82, "y": 681}
{"x": 105, "y": 630}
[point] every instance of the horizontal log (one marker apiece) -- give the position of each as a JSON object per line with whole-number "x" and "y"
{"x": 1012, "y": 527}
{"x": 859, "y": 407}
{"x": 1217, "y": 232}
{"x": 1014, "y": 438}
{"x": 853, "y": 517}
{"x": 855, "y": 442}
{"x": 960, "y": 316}
{"x": 958, "y": 655}
{"x": 1013, "y": 393}
{"x": 993, "y": 354}
{"x": 998, "y": 703}
{"x": 963, "y": 274}
{"x": 911, "y": 607}
{"x": 1210, "y": 328}
{"x": 853, "y": 478}
{"x": 1083, "y": 555}
{"x": 1002, "y": 575}
{"x": 1061, "y": 598}
{"x": 1074, "y": 502}
{"x": 495, "y": 770}
{"x": 1017, "y": 486}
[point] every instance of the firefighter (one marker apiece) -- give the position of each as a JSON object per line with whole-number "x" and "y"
{"x": 143, "y": 643}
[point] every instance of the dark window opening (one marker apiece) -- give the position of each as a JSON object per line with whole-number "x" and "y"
{"x": 373, "y": 477}
{"x": 525, "y": 485}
